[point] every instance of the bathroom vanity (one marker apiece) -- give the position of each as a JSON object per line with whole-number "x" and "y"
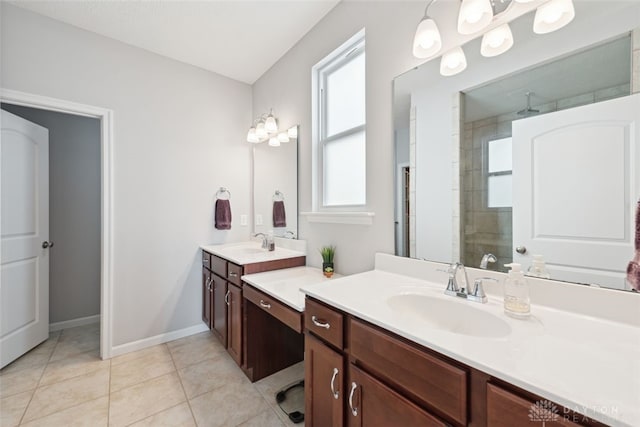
{"x": 222, "y": 289}
{"x": 387, "y": 347}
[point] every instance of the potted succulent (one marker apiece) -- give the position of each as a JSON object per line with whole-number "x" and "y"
{"x": 327, "y": 253}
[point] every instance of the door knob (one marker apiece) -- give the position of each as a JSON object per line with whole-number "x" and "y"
{"x": 46, "y": 245}
{"x": 521, "y": 250}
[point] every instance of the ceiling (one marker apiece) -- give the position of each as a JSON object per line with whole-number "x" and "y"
{"x": 240, "y": 39}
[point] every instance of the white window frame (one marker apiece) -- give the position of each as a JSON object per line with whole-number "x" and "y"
{"x": 488, "y": 174}
{"x": 347, "y": 52}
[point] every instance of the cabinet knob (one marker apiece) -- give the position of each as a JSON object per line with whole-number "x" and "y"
{"x": 319, "y": 323}
{"x": 354, "y": 411}
{"x": 335, "y": 393}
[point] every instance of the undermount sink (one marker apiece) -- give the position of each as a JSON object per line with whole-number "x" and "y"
{"x": 451, "y": 316}
{"x": 245, "y": 250}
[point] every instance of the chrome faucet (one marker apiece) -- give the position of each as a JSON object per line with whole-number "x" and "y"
{"x": 265, "y": 245}
{"x": 452, "y": 286}
{"x": 475, "y": 294}
{"x": 486, "y": 259}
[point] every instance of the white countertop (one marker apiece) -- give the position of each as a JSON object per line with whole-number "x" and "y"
{"x": 587, "y": 364}
{"x": 285, "y": 284}
{"x": 250, "y": 252}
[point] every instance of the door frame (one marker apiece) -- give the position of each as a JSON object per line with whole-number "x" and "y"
{"x": 105, "y": 116}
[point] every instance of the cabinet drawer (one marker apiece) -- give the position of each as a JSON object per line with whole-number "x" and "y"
{"x": 234, "y": 273}
{"x": 428, "y": 379}
{"x": 219, "y": 266}
{"x": 505, "y": 409}
{"x": 324, "y": 322}
{"x": 206, "y": 259}
{"x": 286, "y": 315}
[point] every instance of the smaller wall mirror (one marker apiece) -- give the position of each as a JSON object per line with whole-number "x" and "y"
{"x": 275, "y": 187}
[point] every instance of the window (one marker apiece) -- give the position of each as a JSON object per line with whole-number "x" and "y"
{"x": 499, "y": 173}
{"x": 339, "y": 127}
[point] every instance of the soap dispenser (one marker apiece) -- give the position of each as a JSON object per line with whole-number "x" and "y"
{"x": 516, "y": 293}
{"x": 538, "y": 268}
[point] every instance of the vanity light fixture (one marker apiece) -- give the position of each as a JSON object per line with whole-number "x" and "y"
{"x": 265, "y": 129}
{"x": 553, "y": 15}
{"x": 453, "y": 62}
{"x": 475, "y": 16}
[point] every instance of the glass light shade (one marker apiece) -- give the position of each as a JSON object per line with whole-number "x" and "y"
{"x": 283, "y": 137}
{"x": 273, "y": 142}
{"x": 524, "y": 1}
{"x": 427, "y": 41}
{"x": 553, "y": 15}
{"x": 252, "y": 137}
{"x": 270, "y": 125}
{"x": 261, "y": 132}
{"x": 453, "y": 62}
{"x": 293, "y": 132}
{"x": 497, "y": 41}
{"x": 474, "y": 16}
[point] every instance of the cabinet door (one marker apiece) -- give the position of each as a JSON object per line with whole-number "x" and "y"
{"x": 505, "y": 409}
{"x": 234, "y": 322}
{"x": 219, "y": 314}
{"x": 371, "y": 403}
{"x": 323, "y": 385}
{"x": 207, "y": 297}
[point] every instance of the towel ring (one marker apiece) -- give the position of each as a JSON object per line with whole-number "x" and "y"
{"x": 223, "y": 191}
{"x": 278, "y": 196}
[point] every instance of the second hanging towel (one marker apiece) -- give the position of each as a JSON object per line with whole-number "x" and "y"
{"x": 279, "y": 215}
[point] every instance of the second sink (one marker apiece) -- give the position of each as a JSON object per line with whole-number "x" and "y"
{"x": 450, "y": 316}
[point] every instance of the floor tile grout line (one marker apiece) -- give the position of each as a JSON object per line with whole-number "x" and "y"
{"x": 60, "y": 410}
{"x": 40, "y": 379}
{"x": 154, "y": 414}
{"x": 183, "y": 389}
{"x": 69, "y": 378}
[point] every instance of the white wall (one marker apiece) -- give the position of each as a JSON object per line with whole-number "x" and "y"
{"x": 179, "y": 134}
{"x": 74, "y": 211}
{"x": 287, "y": 88}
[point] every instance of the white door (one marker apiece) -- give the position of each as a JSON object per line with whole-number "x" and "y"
{"x": 24, "y": 274}
{"x": 576, "y": 180}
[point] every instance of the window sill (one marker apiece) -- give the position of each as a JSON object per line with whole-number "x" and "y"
{"x": 357, "y": 218}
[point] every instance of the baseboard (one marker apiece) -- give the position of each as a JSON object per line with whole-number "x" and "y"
{"x": 80, "y": 321}
{"x": 158, "y": 339}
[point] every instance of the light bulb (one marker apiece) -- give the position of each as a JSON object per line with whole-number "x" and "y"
{"x": 270, "y": 125}
{"x": 273, "y": 142}
{"x": 261, "y": 132}
{"x": 553, "y": 15}
{"x": 283, "y": 137}
{"x": 497, "y": 41}
{"x": 474, "y": 16}
{"x": 251, "y": 136}
{"x": 453, "y": 62}
{"x": 427, "y": 41}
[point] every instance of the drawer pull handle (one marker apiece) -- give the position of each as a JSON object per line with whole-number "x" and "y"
{"x": 319, "y": 323}
{"x": 209, "y": 281}
{"x": 333, "y": 379}
{"x": 354, "y": 411}
{"x": 226, "y": 298}
{"x": 232, "y": 274}
{"x": 265, "y": 304}
{"x": 205, "y": 261}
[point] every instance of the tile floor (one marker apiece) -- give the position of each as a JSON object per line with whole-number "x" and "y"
{"x": 187, "y": 382}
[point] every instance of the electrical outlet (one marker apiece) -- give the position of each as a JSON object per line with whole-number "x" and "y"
{"x": 244, "y": 220}
{"x": 258, "y": 219}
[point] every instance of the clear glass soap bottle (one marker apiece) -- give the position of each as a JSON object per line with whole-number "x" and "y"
{"x": 516, "y": 293}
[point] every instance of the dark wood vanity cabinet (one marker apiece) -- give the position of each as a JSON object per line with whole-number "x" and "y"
{"x": 222, "y": 298}
{"x": 358, "y": 374}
